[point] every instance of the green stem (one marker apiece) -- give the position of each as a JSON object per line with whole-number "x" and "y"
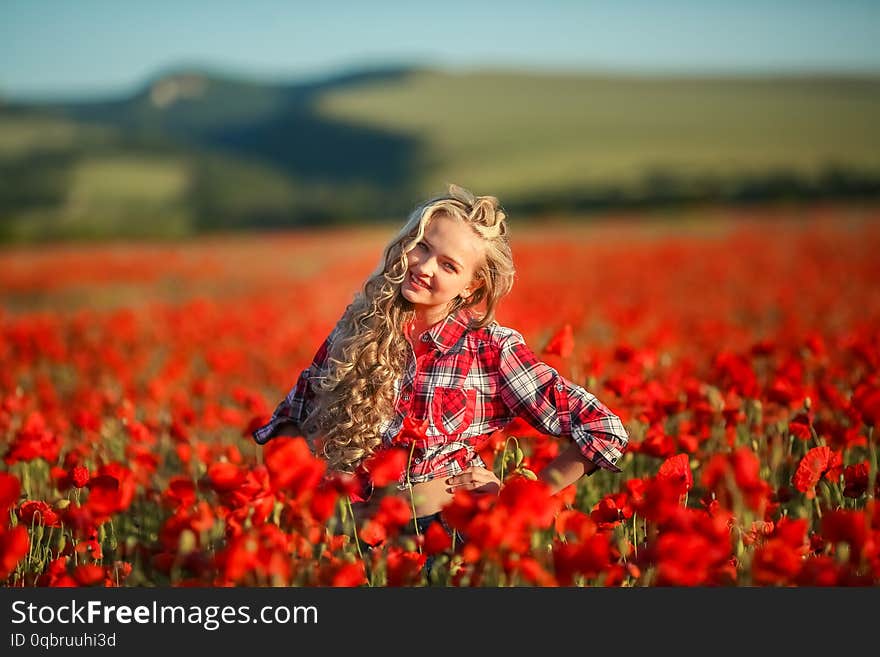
{"x": 357, "y": 541}
{"x": 409, "y": 488}
{"x": 872, "y": 463}
{"x": 504, "y": 454}
{"x": 635, "y": 537}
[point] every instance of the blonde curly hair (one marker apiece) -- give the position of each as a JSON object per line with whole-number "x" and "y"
{"x": 355, "y": 396}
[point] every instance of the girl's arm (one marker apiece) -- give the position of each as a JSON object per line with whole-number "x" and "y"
{"x": 294, "y": 408}
{"x": 566, "y": 469}
{"x": 536, "y": 392}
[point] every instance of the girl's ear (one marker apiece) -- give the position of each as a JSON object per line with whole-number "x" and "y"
{"x": 475, "y": 285}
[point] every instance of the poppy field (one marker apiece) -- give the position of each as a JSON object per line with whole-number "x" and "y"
{"x": 740, "y": 348}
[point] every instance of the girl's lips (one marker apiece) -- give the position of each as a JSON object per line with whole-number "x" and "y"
{"x": 416, "y": 283}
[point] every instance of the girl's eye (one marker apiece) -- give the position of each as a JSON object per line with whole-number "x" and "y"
{"x": 448, "y": 265}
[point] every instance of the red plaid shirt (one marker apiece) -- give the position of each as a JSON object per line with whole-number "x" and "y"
{"x": 468, "y": 384}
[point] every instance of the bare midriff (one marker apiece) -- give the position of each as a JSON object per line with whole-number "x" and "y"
{"x": 430, "y": 496}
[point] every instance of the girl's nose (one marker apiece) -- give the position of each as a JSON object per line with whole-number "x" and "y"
{"x": 424, "y": 268}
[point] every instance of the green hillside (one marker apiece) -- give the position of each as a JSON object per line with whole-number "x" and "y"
{"x": 194, "y": 152}
{"x": 524, "y": 135}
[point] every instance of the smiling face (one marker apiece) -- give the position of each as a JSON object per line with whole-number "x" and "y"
{"x": 441, "y": 267}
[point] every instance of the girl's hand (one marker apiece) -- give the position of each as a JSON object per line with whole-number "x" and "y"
{"x": 477, "y": 479}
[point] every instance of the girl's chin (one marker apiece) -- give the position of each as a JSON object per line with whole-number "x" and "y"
{"x": 409, "y": 291}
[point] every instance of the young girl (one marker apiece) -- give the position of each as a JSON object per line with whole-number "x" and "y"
{"x": 419, "y": 342}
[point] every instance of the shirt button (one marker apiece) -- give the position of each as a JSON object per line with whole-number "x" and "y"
{"x": 559, "y": 386}
{"x": 417, "y": 460}
{"x": 406, "y": 396}
{"x": 425, "y": 338}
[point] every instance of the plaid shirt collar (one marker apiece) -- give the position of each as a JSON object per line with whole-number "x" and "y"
{"x": 447, "y": 333}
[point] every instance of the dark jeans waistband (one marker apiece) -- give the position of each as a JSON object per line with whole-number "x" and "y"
{"x": 423, "y": 522}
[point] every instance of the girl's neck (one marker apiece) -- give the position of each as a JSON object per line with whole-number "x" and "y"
{"x": 422, "y": 323}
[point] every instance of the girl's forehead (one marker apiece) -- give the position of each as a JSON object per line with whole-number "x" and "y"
{"x": 455, "y": 239}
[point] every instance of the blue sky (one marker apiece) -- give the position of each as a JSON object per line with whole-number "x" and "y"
{"x": 63, "y": 48}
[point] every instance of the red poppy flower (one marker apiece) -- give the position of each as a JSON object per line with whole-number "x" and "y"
{"x": 528, "y": 569}
{"x": 530, "y": 501}
{"x": 847, "y": 526}
{"x": 10, "y": 489}
{"x": 635, "y": 489}
{"x": 775, "y": 564}
{"x": 586, "y": 558}
{"x": 224, "y": 477}
{"x": 118, "y": 573}
{"x": 437, "y": 539}
{"x": 14, "y": 545}
{"x": 576, "y": 525}
{"x": 88, "y": 574}
{"x": 357, "y": 486}
{"x": 126, "y": 482}
{"x": 490, "y": 531}
{"x": 349, "y": 574}
{"x": 394, "y": 512}
{"x": 412, "y": 431}
{"x": 34, "y": 440}
{"x": 822, "y": 570}
{"x": 792, "y": 532}
{"x": 745, "y": 467}
{"x": 386, "y": 466}
{"x": 403, "y": 568}
{"x": 661, "y": 500}
{"x": 103, "y": 498}
{"x": 291, "y": 465}
{"x": 180, "y": 492}
{"x": 656, "y": 443}
{"x": 322, "y": 505}
{"x": 79, "y": 476}
{"x": 855, "y": 478}
{"x": 261, "y": 555}
{"x": 54, "y": 571}
{"x": 37, "y": 512}
{"x": 373, "y": 533}
{"x": 735, "y": 372}
{"x": 817, "y": 463}
{"x": 79, "y": 519}
{"x": 783, "y": 391}
{"x": 561, "y": 343}
{"x": 693, "y": 549}
{"x": 237, "y": 559}
{"x": 609, "y": 511}
{"x": 799, "y": 426}
{"x": 677, "y": 469}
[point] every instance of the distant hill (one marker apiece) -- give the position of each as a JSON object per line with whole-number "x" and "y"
{"x": 195, "y": 151}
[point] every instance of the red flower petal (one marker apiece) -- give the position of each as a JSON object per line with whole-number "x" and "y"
{"x": 562, "y": 342}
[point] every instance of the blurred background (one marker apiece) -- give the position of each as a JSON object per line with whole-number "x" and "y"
{"x": 174, "y": 119}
